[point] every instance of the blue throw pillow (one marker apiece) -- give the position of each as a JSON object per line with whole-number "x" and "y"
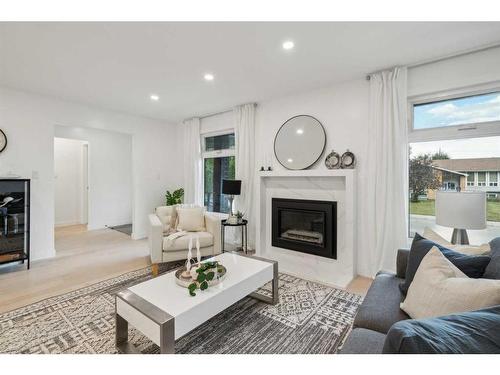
{"x": 472, "y": 265}
{"x": 465, "y": 333}
{"x": 493, "y": 269}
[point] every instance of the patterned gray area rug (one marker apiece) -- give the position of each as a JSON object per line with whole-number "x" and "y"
{"x": 310, "y": 318}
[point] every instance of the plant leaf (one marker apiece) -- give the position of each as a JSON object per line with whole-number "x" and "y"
{"x": 201, "y": 277}
{"x": 191, "y": 293}
{"x": 204, "y": 285}
{"x": 210, "y": 275}
{"x": 192, "y": 286}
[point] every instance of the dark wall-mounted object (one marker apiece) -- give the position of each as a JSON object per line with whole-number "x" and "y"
{"x": 300, "y": 142}
{"x": 3, "y": 140}
{"x": 307, "y": 226}
{"x": 15, "y": 221}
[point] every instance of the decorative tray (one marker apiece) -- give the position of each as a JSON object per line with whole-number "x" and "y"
{"x": 185, "y": 282}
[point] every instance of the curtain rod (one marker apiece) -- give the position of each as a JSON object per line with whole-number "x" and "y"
{"x": 215, "y": 113}
{"x": 445, "y": 57}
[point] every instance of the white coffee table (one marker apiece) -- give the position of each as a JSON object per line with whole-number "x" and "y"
{"x": 164, "y": 311}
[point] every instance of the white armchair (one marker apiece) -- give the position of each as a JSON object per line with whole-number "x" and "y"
{"x": 166, "y": 251}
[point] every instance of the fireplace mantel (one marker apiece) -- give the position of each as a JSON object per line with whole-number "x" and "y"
{"x": 338, "y": 185}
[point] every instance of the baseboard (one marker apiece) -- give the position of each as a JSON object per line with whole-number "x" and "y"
{"x": 67, "y": 223}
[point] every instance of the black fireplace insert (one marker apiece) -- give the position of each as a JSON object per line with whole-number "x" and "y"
{"x": 308, "y": 226}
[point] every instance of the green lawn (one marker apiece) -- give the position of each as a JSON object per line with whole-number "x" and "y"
{"x": 427, "y": 208}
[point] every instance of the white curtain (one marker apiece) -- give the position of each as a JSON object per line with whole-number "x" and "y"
{"x": 244, "y": 124}
{"x": 384, "y": 207}
{"x": 193, "y": 177}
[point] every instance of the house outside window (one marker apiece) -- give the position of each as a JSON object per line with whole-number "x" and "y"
{"x": 470, "y": 179}
{"x": 218, "y": 164}
{"x": 481, "y": 178}
{"x": 493, "y": 178}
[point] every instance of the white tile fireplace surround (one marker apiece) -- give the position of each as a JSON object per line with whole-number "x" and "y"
{"x": 327, "y": 185}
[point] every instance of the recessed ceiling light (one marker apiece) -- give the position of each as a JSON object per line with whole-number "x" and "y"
{"x": 288, "y": 45}
{"x": 290, "y": 160}
{"x": 154, "y": 97}
{"x": 209, "y": 77}
{"x": 300, "y": 131}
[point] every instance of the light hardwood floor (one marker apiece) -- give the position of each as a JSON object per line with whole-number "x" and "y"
{"x": 83, "y": 258}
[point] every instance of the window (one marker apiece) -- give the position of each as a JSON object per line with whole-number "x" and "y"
{"x": 493, "y": 176}
{"x": 470, "y": 178}
{"x": 482, "y": 108}
{"x": 481, "y": 178}
{"x": 453, "y": 142}
{"x": 218, "y": 164}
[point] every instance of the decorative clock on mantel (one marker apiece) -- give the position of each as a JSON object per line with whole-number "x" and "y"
{"x": 3, "y": 140}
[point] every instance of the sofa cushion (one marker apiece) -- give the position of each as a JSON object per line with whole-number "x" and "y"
{"x": 493, "y": 269}
{"x": 182, "y": 243}
{"x": 380, "y": 308}
{"x": 167, "y": 216}
{"x": 190, "y": 219}
{"x": 363, "y": 341}
{"x": 483, "y": 249}
{"x": 465, "y": 333}
{"x": 440, "y": 288}
{"x": 471, "y": 265}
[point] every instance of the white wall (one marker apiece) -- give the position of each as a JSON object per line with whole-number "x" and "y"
{"x": 343, "y": 111}
{"x": 68, "y": 180}
{"x": 110, "y": 175}
{"x": 454, "y": 73}
{"x": 29, "y": 121}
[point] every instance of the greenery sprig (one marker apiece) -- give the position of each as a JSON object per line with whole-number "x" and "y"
{"x": 205, "y": 274}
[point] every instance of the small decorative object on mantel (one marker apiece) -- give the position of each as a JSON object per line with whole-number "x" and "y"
{"x": 269, "y": 169}
{"x": 348, "y": 160}
{"x": 332, "y": 160}
{"x": 3, "y": 140}
{"x": 262, "y": 169}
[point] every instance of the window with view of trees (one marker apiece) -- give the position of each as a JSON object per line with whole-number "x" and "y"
{"x": 454, "y": 143}
{"x": 218, "y": 164}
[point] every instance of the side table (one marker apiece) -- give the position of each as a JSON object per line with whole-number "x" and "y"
{"x": 243, "y": 225}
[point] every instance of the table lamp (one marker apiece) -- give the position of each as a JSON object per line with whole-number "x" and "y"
{"x": 461, "y": 211}
{"x": 231, "y": 188}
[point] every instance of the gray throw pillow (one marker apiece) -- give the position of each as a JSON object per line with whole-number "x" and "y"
{"x": 472, "y": 265}
{"x": 493, "y": 269}
{"x": 465, "y": 333}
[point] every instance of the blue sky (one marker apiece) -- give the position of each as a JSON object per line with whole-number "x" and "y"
{"x": 479, "y": 108}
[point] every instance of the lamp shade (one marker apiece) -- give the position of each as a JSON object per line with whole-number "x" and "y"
{"x": 464, "y": 210}
{"x": 231, "y": 187}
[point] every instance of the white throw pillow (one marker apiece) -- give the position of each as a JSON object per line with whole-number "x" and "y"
{"x": 439, "y": 288}
{"x": 464, "y": 249}
{"x": 168, "y": 217}
{"x": 190, "y": 219}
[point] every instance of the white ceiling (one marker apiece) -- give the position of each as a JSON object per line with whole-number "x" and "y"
{"x": 118, "y": 65}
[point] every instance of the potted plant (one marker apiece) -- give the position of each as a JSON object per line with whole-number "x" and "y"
{"x": 239, "y": 215}
{"x": 175, "y": 197}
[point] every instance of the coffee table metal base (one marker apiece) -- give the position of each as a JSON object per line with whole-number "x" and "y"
{"x": 157, "y": 319}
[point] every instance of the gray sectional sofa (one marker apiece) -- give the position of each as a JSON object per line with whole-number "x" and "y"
{"x": 379, "y": 311}
{"x": 375, "y": 330}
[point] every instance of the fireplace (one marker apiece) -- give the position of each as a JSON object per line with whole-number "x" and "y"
{"x": 308, "y": 226}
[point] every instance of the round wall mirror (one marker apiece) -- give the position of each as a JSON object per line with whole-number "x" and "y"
{"x": 300, "y": 142}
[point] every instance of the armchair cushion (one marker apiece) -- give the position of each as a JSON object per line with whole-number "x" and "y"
{"x": 167, "y": 216}
{"x": 190, "y": 219}
{"x": 182, "y": 243}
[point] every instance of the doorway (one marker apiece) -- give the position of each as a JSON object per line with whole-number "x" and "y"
{"x": 70, "y": 182}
